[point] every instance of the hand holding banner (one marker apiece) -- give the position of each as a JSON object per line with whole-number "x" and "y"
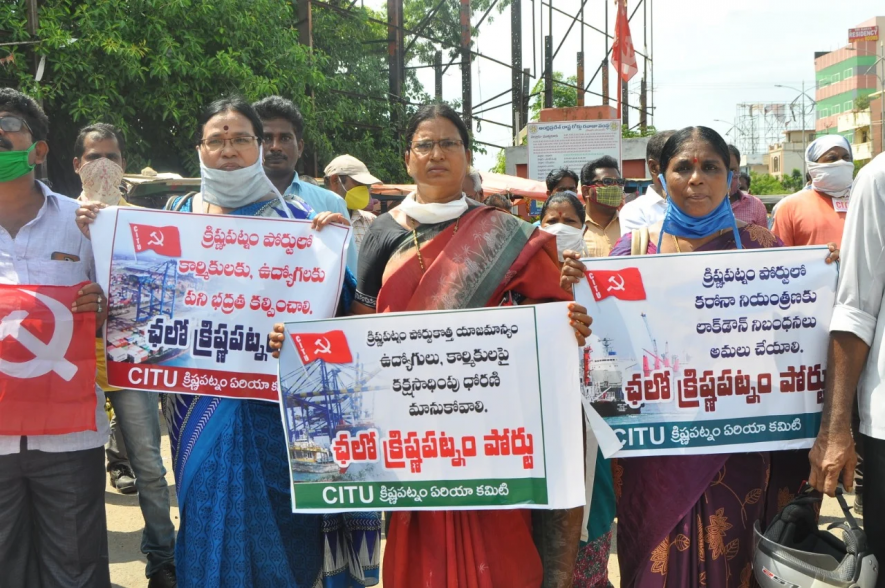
{"x": 380, "y": 414}
{"x": 193, "y": 297}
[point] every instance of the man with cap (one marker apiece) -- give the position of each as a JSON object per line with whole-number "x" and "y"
{"x": 283, "y": 144}
{"x": 349, "y": 177}
{"x": 817, "y": 216}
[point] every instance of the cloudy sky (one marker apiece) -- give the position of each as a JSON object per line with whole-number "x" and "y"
{"x": 710, "y": 55}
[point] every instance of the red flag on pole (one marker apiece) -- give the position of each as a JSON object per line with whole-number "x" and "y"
{"x": 331, "y": 347}
{"x": 47, "y": 362}
{"x": 623, "y": 56}
{"x": 161, "y": 240}
{"x": 625, "y": 284}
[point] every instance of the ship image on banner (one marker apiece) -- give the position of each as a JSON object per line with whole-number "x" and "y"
{"x": 708, "y": 352}
{"x": 329, "y": 393}
{"x": 192, "y": 298}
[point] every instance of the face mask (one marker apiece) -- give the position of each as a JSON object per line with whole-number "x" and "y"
{"x": 434, "y": 212}
{"x": 833, "y": 179}
{"x": 567, "y": 237}
{"x": 357, "y": 198}
{"x": 101, "y": 180}
{"x": 609, "y": 196}
{"x": 14, "y": 164}
{"x": 237, "y": 188}
{"x": 678, "y": 222}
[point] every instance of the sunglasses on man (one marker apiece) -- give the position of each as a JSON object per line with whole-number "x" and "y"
{"x": 609, "y": 182}
{"x": 13, "y": 124}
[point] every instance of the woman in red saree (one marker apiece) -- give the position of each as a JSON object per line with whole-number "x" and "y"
{"x": 438, "y": 250}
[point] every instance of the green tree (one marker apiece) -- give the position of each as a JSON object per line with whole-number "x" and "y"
{"x": 500, "y": 166}
{"x": 766, "y": 184}
{"x": 439, "y": 22}
{"x": 794, "y": 182}
{"x": 632, "y": 134}
{"x": 862, "y": 103}
{"x": 563, "y": 96}
{"x": 150, "y": 66}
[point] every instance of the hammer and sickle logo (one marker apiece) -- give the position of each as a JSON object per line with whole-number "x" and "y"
{"x": 617, "y": 284}
{"x": 156, "y": 238}
{"x": 48, "y": 357}
{"x": 324, "y": 349}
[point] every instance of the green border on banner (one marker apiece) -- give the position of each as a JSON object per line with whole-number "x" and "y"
{"x": 738, "y": 431}
{"x": 434, "y": 494}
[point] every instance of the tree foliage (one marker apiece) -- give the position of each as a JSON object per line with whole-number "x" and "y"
{"x": 766, "y": 184}
{"x": 439, "y": 23}
{"x": 151, "y": 66}
{"x": 563, "y": 96}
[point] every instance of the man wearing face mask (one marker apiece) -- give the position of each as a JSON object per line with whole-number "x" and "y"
{"x": 283, "y": 144}
{"x": 350, "y": 178}
{"x": 817, "y": 216}
{"x": 53, "y": 528}
{"x": 134, "y": 461}
{"x": 603, "y": 190}
{"x": 651, "y": 207}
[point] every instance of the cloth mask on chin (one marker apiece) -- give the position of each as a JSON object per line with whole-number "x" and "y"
{"x": 567, "y": 238}
{"x": 608, "y": 196}
{"x": 833, "y": 179}
{"x": 433, "y": 212}
{"x": 237, "y": 188}
{"x": 101, "y": 180}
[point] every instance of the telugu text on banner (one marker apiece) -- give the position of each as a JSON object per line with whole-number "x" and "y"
{"x": 438, "y": 410}
{"x": 708, "y": 352}
{"x": 193, "y": 297}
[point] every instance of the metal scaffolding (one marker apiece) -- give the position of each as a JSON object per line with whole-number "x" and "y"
{"x": 400, "y": 39}
{"x": 760, "y": 124}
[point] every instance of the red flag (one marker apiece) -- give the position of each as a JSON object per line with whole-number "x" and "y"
{"x": 331, "y": 347}
{"x": 625, "y": 284}
{"x": 623, "y": 56}
{"x": 161, "y": 240}
{"x": 47, "y": 362}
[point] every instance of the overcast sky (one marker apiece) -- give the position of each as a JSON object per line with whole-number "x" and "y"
{"x": 710, "y": 55}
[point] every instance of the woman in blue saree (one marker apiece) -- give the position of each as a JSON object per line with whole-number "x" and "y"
{"x": 230, "y": 463}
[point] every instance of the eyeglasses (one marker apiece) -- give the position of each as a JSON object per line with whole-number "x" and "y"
{"x": 609, "y": 182}
{"x": 239, "y": 143}
{"x": 447, "y": 145}
{"x": 13, "y": 124}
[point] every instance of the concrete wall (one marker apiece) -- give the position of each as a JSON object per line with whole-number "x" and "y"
{"x": 632, "y": 159}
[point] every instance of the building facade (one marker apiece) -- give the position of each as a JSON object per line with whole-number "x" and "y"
{"x": 844, "y": 75}
{"x": 782, "y": 158}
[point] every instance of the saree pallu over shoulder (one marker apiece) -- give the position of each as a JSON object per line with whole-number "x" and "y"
{"x": 468, "y": 263}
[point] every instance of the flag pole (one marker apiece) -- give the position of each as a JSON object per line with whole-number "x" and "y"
{"x": 620, "y": 85}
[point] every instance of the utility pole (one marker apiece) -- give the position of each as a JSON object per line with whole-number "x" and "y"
{"x": 395, "y": 61}
{"x": 437, "y": 76}
{"x": 804, "y": 135}
{"x": 605, "y": 59}
{"x": 548, "y": 72}
{"x": 516, "y": 71}
{"x": 466, "y": 85}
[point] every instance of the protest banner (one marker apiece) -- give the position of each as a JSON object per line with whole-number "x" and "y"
{"x": 462, "y": 409}
{"x": 47, "y": 362}
{"x": 713, "y": 352}
{"x": 193, "y": 297}
{"x": 570, "y": 143}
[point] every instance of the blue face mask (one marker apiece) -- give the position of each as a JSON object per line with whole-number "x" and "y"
{"x": 678, "y": 222}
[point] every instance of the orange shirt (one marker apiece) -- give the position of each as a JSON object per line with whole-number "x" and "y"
{"x": 808, "y": 218}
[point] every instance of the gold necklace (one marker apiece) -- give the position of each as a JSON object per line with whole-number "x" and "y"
{"x": 418, "y": 245}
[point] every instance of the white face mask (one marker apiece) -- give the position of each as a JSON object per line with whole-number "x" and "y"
{"x": 567, "y": 237}
{"x": 101, "y": 180}
{"x": 833, "y": 179}
{"x": 434, "y": 212}
{"x": 237, "y": 188}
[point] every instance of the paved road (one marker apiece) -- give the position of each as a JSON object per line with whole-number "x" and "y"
{"x": 125, "y": 524}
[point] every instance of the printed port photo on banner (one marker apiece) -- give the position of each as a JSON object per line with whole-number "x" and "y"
{"x": 47, "y": 362}
{"x": 717, "y": 352}
{"x": 435, "y": 410}
{"x": 193, "y": 297}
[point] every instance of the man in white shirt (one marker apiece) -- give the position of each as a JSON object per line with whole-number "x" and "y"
{"x": 53, "y": 529}
{"x": 651, "y": 207}
{"x": 856, "y": 359}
